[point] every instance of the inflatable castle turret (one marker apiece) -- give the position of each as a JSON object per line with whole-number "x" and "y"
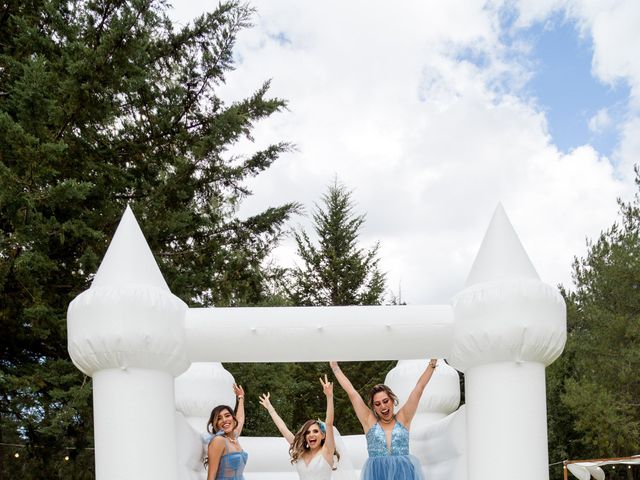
{"x": 508, "y": 327}
{"x": 127, "y": 332}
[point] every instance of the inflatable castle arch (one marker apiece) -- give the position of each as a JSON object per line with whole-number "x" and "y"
{"x": 156, "y": 368}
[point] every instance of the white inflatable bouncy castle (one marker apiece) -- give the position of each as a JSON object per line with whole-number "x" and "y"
{"x": 156, "y": 368}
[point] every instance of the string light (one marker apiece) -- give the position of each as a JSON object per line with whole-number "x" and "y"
{"x": 66, "y": 457}
{"x": 22, "y": 445}
{"x": 16, "y": 455}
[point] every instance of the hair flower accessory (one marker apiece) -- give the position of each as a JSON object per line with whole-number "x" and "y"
{"x": 323, "y": 427}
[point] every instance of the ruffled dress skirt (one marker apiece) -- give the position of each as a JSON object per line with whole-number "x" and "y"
{"x": 392, "y": 467}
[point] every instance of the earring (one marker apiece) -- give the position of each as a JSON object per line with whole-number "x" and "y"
{"x": 306, "y": 445}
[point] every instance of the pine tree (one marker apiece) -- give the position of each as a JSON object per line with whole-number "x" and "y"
{"x": 103, "y": 103}
{"x": 337, "y": 271}
{"x": 594, "y": 391}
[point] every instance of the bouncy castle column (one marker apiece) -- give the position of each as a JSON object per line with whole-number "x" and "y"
{"x": 127, "y": 332}
{"x": 508, "y": 327}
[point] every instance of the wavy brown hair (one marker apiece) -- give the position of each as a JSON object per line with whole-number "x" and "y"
{"x": 299, "y": 446}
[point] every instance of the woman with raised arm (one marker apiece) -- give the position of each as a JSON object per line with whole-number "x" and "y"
{"x": 387, "y": 432}
{"x": 312, "y": 448}
{"x": 225, "y": 458}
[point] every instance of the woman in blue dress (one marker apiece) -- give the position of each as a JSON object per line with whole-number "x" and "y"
{"x": 225, "y": 458}
{"x": 386, "y": 431}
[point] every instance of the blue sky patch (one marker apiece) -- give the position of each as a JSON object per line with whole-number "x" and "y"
{"x": 475, "y": 56}
{"x": 565, "y": 89}
{"x": 281, "y": 38}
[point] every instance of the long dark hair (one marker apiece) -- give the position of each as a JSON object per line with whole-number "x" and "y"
{"x": 215, "y": 413}
{"x": 213, "y": 420}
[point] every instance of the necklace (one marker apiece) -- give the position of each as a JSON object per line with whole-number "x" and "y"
{"x": 386, "y": 421}
{"x": 232, "y": 440}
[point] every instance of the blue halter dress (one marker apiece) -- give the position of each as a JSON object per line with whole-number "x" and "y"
{"x": 231, "y": 464}
{"x": 395, "y": 463}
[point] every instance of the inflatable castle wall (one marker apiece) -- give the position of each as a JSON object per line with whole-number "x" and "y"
{"x": 156, "y": 368}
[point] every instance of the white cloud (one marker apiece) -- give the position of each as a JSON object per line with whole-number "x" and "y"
{"x": 600, "y": 121}
{"x": 402, "y": 104}
{"x": 628, "y": 151}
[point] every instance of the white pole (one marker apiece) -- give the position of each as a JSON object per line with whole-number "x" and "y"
{"x": 134, "y": 426}
{"x": 314, "y": 334}
{"x": 506, "y": 421}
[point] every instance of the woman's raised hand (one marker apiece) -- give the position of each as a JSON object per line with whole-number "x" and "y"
{"x": 238, "y": 390}
{"x": 282, "y": 427}
{"x": 264, "y": 400}
{"x": 327, "y": 386}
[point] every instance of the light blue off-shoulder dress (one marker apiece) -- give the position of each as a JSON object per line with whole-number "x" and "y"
{"x": 231, "y": 463}
{"x": 390, "y": 464}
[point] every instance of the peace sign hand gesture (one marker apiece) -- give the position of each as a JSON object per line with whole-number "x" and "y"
{"x": 327, "y": 386}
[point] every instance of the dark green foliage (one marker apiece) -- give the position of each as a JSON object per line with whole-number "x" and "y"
{"x": 104, "y": 104}
{"x": 297, "y": 395}
{"x": 594, "y": 388}
{"x": 257, "y": 378}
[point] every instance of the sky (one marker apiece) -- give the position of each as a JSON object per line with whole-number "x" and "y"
{"x": 433, "y": 112}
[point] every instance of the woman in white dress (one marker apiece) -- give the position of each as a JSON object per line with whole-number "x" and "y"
{"x": 313, "y": 447}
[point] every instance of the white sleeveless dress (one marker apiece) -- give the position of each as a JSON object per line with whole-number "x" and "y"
{"x": 318, "y": 469}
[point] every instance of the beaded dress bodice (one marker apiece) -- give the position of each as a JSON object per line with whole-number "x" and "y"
{"x": 377, "y": 441}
